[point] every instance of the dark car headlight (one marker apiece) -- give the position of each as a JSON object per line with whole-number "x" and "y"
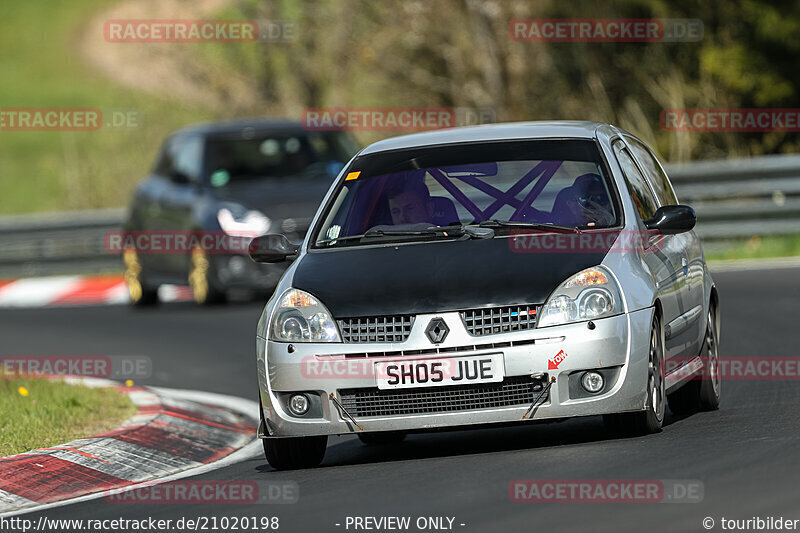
{"x": 589, "y": 294}
{"x": 241, "y": 222}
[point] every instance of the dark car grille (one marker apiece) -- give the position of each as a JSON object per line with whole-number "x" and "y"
{"x": 369, "y": 402}
{"x": 499, "y": 319}
{"x": 394, "y": 328}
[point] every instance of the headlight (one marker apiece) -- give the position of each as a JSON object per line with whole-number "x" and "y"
{"x": 299, "y": 317}
{"x": 587, "y": 295}
{"x": 243, "y": 223}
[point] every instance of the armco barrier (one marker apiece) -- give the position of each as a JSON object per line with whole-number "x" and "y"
{"x": 733, "y": 198}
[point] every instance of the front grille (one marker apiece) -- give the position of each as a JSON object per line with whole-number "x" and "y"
{"x": 499, "y": 319}
{"x": 367, "y": 402}
{"x": 395, "y": 328}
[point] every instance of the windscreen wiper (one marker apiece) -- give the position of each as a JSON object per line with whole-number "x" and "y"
{"x": 494, "y": 223}
{"x": 342, "y": 239}
{"x": 426, "y": 230}
{"x": 454, "y": 230}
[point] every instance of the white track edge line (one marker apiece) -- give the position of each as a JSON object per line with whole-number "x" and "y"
{"x": 249, "y": 451}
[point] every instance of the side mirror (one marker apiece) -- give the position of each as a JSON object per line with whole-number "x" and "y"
{"x": 672, "y": 219}
{"x": 273, "y": 248}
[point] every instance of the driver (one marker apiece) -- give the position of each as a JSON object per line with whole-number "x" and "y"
{"x": 410, "y": 202}
{"x": 591, "y": 203}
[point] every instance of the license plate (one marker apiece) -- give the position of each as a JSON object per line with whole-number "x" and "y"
{"x": 404, "y": 374}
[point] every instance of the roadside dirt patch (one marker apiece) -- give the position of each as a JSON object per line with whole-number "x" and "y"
{"x": 168, "y": 70}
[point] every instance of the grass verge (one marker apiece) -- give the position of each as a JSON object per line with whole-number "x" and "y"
{"x": 38, "y": 413}
{"x": 64, "y": 170}
{"x": 757, "y": 247}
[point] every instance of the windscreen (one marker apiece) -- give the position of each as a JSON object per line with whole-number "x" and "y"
{"x": 276, "y": 156}
{"x": 544, "y": 182}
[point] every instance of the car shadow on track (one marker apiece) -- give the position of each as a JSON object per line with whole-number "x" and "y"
{"x": 438, "y": 444}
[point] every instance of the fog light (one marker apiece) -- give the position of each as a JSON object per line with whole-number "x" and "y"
{"x": 298, "y": 404}
{"x": 592, "y": 381}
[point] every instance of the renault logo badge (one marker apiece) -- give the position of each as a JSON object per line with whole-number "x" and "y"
{"x": 437, "y": 331}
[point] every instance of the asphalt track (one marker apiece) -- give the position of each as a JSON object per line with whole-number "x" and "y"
{"x": 746, "y": 454}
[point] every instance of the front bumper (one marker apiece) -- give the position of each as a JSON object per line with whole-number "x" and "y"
{"x": 618, "y": 344}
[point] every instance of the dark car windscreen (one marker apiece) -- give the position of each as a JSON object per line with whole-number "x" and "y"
{"x": 544, "y": 182}
{"x": 277, "y": 156}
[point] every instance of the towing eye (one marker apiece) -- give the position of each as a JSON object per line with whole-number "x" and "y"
{"x": 542, "y": 393}
{"x": 343, "y": 411}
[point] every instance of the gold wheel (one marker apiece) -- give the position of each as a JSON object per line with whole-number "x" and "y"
{"x": 133, "y": 270}
{"x": 198, "y": 275}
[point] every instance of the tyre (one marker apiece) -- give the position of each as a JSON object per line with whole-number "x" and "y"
{"x": 292, "y": 453}
{"x": 382, "y": 437}
{"x": 201, "y": 279}
{"x": 701, "y": 393}
{"x": 650, "y": 419}
{"x": 711, "y": 384}
{"x": 141, "y": 294}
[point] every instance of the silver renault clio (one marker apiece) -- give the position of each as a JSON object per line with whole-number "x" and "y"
{"x": 495, "y": 274}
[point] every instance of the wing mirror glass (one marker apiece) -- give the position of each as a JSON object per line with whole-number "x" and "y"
{"x": 672, "y": 219}
{"x": 272, "y": 248}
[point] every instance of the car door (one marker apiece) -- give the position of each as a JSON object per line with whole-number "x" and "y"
{"x": 170, "y": 209}
{"x": 663, "y": 253}
{"x": 178, "y": 200}
{"x": 688, "y": 330}
{"x": 146, "y": 213}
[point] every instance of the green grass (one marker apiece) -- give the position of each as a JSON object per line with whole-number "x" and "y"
{"x": 757, "y": 247}
{"x": 54, "y": 412}
{"x": 42, "y": 67}
{"x": 47, "y": 171}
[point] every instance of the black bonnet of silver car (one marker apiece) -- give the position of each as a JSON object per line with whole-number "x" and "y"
{"x": 430, "y": 277}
